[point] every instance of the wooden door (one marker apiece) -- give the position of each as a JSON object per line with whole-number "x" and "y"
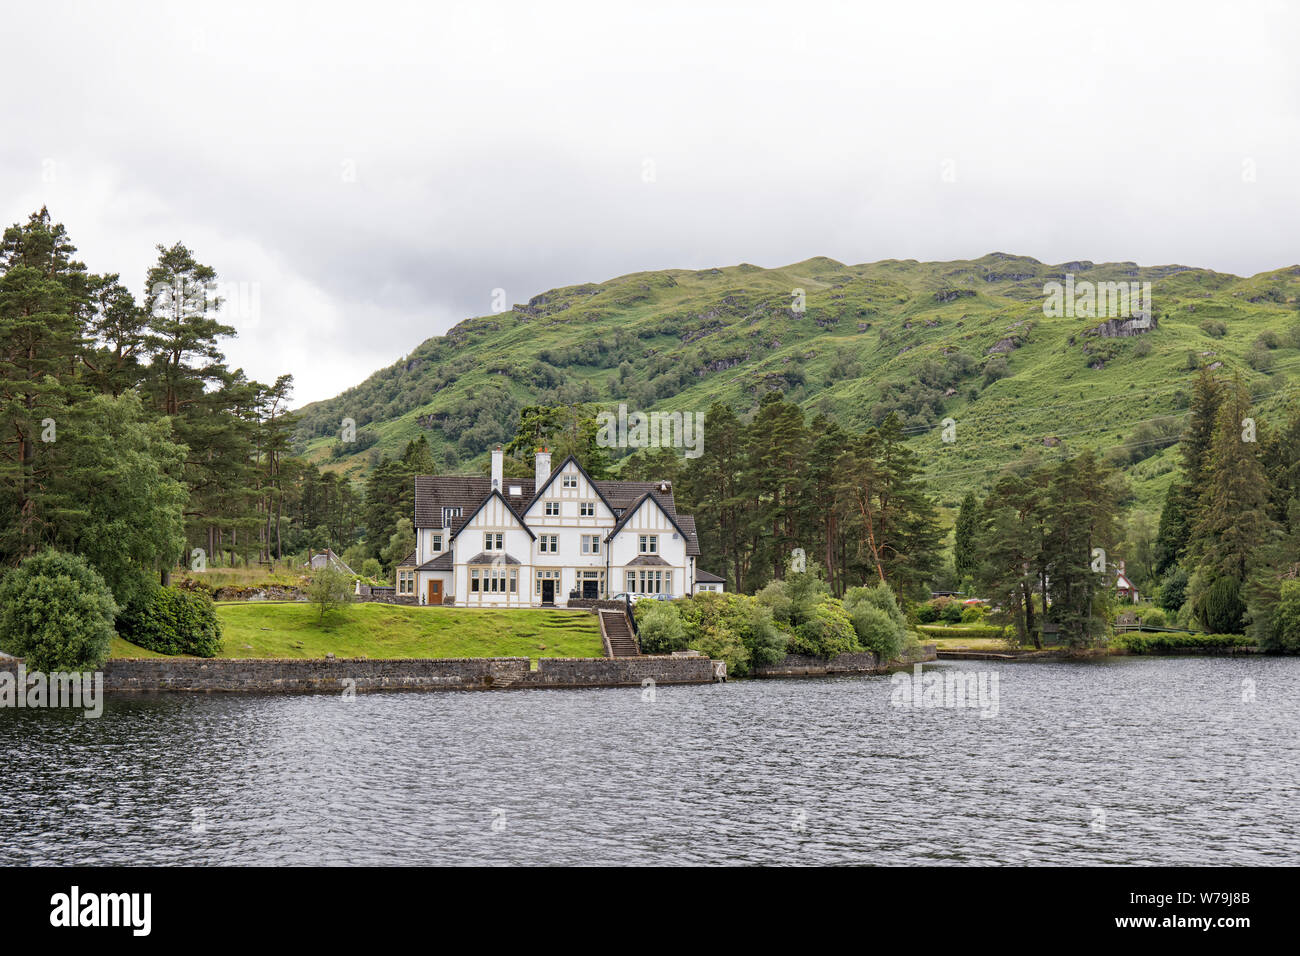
{"x": 435, "y": 592}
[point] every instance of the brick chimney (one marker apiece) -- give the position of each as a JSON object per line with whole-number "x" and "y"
{"x": 543, "y": 470}
{"x": 498, "y": 457}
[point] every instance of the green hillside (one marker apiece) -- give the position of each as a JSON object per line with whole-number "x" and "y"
{"x": 967, "y": 340}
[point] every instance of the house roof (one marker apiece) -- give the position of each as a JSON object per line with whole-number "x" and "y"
{"x": 483, "y": 504}
{"x": 590, "y": 480}
{"x": 442, "y": 562}
{"x": 408, "y": 561}
{"x": 650, "y": 559}
{"x": 704, "y": 577}
{"x": 433, "y": 493}
{"x": 635, "y": 506}
{"x": 469, "y": 493}
{"x": 320, "y": 559}
{"x": 492, "y": 557}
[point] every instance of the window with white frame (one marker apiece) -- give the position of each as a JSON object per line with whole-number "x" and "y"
{"x": 548, "y": 543}
{"x": 568, "y": 481}
{"x": 405, "y": 582}
{"x": 587, "y": 509}
{"x": 435, "y": 542}
{"x": 448, "y": 514}
{"x": 649, "y": 543}
{"x": 591, "y": 544}
{"x": 650, "y": 581}
{"x": 552, "y": 509}
{"x": 493, "y": 580}
{"x": 494, "y": 541}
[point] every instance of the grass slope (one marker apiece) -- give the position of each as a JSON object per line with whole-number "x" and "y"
{"x": 383, "y": 630}
{"x": 679, "y": 339}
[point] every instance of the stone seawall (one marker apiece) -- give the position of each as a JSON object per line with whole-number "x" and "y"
{"x": 864, "y": 662}
{"x": 361, "y": 674}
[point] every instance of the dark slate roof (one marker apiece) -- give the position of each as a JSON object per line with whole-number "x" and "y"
{"x": 466, "y": 492}
{"x": 492, "y": 557}
{"x": 408, "y": 561}
{"x": 692, "y": 539}
{"x": 466, "y": 518}
{"x": 442, "y": 562}
{"x": 635, "y": 506}
{"x": 704, "y": 577}
{"x": 644, "y": 559}
{"x": 469, "y": 492}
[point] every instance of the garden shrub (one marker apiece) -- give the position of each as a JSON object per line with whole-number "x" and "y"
{"x": 878, "y": 621}
{"x": 828, "y": 631}
{"x": 659, "y": 627}
{"x": 57, "y": 613}
{"x": 1220, "y": 609}
{"x": 173, "y": 621}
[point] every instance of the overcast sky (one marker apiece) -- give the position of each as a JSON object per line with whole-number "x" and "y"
{"x": 378, "y": 169}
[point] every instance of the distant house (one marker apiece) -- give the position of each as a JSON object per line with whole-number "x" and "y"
{"x": 327, "y": 558}
{"x": 704, "y": 581}
{"x": 519, "y": 542}
{"x": 1125, "y": 588}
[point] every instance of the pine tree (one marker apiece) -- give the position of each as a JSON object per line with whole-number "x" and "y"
{"x": 44, "y": 300}
{"x": 965, "y": 533}
{"x": 1234, "y": 532}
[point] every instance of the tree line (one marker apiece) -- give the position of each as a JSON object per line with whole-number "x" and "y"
{"x": 127, "y": 438}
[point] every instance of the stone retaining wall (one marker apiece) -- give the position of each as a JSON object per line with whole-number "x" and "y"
{"x": 592, "y": 604}
{"x": 863, "y": 662}
{"x": 361, "y": 674}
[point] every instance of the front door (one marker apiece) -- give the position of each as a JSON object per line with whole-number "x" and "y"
{"x": 548, "y": 592}
{"x": 589, "y": 589}
{"x": 435, "y": 592}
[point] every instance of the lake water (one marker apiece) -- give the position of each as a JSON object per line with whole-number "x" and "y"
{"x": 1123, "y": 761}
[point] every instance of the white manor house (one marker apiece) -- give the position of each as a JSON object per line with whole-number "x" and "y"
{"x": 536, "y": 542}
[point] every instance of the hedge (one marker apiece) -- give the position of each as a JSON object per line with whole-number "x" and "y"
{"x": 938, "y": 630}
{"x": 1140, "y": 643}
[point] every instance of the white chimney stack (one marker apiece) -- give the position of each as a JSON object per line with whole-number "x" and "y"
{"x": 498, "y": 457}
{"x": 543, "y": 470}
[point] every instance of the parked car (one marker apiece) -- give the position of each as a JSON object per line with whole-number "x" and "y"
{"x": 665, "y": 597}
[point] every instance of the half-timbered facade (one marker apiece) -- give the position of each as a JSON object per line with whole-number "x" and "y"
{"x": 499, "y": 542}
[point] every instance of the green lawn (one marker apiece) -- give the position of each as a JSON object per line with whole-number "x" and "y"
{"x": 385, "y": 630}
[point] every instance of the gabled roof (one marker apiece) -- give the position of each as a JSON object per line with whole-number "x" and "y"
{"x": 408, "y": 561}
{"x": 554, "y": 473}
{"x": 433, "y": 493}
{"x": 635, "y": 507}
{"x": 469, "y": 493}
{"x": 704, "y": 577}
{"x": 483, "y": 504}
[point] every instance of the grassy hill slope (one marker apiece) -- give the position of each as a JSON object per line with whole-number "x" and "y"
{"x": 927, "y": 340}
